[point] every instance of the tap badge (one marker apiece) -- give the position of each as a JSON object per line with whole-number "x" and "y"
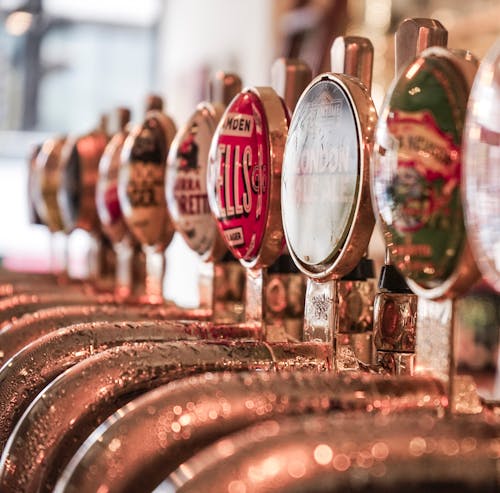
{"x": 239, "y": 175}
{"x": 186, "y": 184}
{"x": 417, "y": 165}
{"x": 321, "y": 170}
{"x": 108, "y": 206}
{"x": 147, "y": 157}
{"x": 141, "y": 181}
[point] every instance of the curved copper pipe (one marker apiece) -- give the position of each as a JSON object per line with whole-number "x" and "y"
{"x": 349, "y": 452}
{"x": 16, "y": 306}
{"x": 12, "y": 276}
{"x": 157, "y": 432}
{"x": 16, "y": 289}
{"x": 20, "y": 332}
{"x": 64, "y": 414}
{"x": 30, "y": 370}
{"x": 18, "y": 286}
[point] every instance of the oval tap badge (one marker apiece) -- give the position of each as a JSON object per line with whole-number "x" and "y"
{"x": 417, "y": 170}
{"x": 325, "y": 193}
{"x": 482, "y": 167}
{"x": 186, "y": 181}
{"x": 321, "y": 174}
{"x": 108, "y": 206}
{"x": 141, "y": 180}
{"x": 240, "y": 175}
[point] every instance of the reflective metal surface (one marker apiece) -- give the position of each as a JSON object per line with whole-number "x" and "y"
{"x": 388, "y": 453}
{"x": 63, "y": 415}
{"x": 51, "y": 354}
{"x": 180, "y": 418}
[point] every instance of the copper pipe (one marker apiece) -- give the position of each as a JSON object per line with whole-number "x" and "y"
{"x": 347, "y": 452}
{"x": 61, "y": 417}
{"x": 16, "y": 306}
{"x": 21, "y": 331}
{"x": 53, "y": 353}
{"x": 159, "y": 431}
{"x": 37, "y": 286}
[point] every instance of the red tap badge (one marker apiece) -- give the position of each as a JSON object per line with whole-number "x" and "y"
{"x": 240, "y": 175}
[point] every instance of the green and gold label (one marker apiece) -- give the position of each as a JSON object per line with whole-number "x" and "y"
{"x": 417, "y": 166}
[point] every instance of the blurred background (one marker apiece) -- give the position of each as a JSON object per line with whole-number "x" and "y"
{"x": 64, "y": 63}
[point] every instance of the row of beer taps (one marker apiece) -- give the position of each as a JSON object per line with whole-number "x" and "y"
{"x": 292, "y": 374}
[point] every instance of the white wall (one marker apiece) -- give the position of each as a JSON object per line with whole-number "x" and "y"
{"x": 220, "y": 34}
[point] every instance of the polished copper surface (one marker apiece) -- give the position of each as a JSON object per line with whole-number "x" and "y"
{"x": 16, "y": 306}
{"x": 290, "y": 77}
{"x": 414, "y": 36}
{"x": 63, "y": 415}
{"x": 348, "y": 452}
{"x": 27, "y": 328}
{"x": 53, "y": 353}
{"x": 150, "y": 437}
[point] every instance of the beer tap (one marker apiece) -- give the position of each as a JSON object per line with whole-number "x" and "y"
{"x": 221, "y": 277}
{"x": 395, "y": 307}
{"x": 243, "y": 189}
{"x": 12, "y": 282}
{"x": 141, "y": 181}
{"x": 326, "y": 207}
{"x": 129, "y": 264}
{"x": 79, "y": 164}
{"x": 417, "y": 167}
{"x": 46, "y": 183}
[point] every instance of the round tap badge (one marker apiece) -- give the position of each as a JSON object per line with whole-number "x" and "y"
{"x": 417, "y": 168}
{"x": 325, "y": 176}
{"x": 243, "y": 178}
{"x": 70, "y": 193}
{"x": 482, "y": 166}
{"x": 186, "y": 181}
{"x": 48, "y": 172}
{"x": 108, "y": 206}
{"x": 80, "y": 161}
{"x": 141, "y": 180}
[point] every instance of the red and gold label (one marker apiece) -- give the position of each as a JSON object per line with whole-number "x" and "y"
{"x": 239, "y": 175}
